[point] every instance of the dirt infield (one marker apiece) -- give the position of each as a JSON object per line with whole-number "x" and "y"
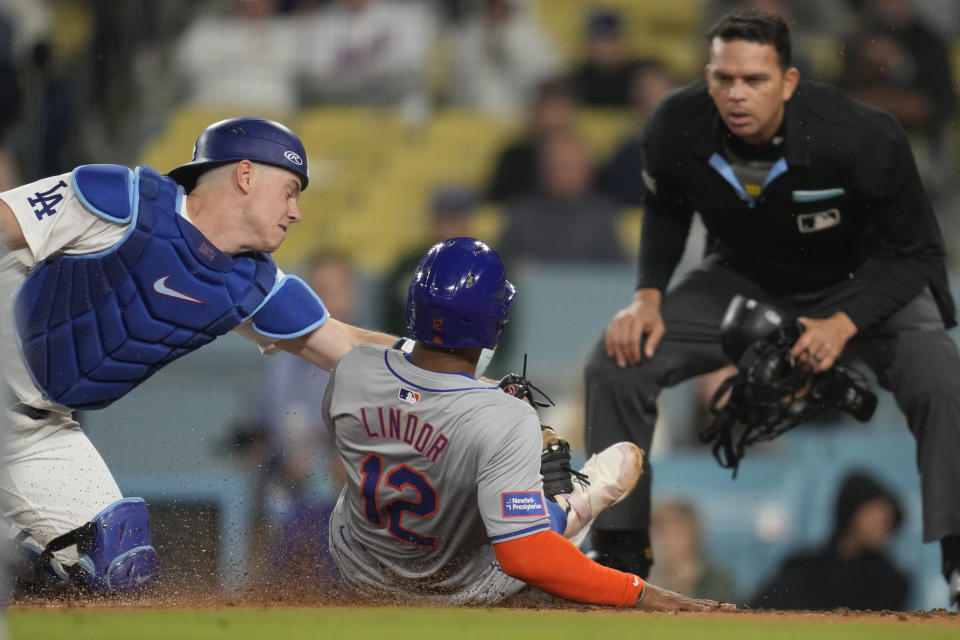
{"x": 527, "y": 618}
{"x": 530, "y": 600}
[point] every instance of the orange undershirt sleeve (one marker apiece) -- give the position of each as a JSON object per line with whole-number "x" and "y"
{"x": 551, "y": 563}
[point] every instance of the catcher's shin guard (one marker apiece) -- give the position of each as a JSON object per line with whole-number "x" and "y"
{"x": 114, "y": 548}
{"x": 612, "y": 474}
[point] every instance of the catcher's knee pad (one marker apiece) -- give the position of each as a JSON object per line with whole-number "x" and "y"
{"x": 114, "y": 548}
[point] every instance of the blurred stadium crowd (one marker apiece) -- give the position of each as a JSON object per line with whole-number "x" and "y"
{"x": 516, "y": 121}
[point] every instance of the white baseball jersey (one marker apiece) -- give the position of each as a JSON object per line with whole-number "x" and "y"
{"x": 439, "y": 466}
{"x": 54, "y": 221}
{"x": 54, "y": 480}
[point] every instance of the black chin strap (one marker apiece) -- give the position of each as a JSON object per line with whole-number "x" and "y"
{"x": 750, "y": 416}
{"x": 726, "y": 450}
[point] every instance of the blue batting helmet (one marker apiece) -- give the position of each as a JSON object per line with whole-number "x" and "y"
{"x": 237, "y": 139}
{"x": 459, "y": 296}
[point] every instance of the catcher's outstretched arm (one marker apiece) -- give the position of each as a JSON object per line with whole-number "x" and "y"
{"x": 325, "y": 345}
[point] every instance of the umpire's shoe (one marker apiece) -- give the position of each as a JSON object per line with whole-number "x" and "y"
{"x": 953, "y": 581}
{"x": 612, "y": 474}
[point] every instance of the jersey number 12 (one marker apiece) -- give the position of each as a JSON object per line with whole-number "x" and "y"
{"x": 391, "y": 514}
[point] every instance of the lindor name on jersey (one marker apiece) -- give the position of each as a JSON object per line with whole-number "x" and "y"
{"x": 395, "y": 424}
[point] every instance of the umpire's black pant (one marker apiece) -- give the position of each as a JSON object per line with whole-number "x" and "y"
{"x": 911, "y": 355}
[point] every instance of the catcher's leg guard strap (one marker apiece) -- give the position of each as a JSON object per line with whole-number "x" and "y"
{"x": 33, "y": 571}
{"x": 114, "y": 547}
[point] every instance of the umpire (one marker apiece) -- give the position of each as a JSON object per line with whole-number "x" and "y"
{"x": 813, "y": 203}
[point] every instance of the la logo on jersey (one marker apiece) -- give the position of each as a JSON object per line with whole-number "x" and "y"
{"x": 517, "y": 504}
{"x": 47, "y": 201}
{"x": 408, "y": 396}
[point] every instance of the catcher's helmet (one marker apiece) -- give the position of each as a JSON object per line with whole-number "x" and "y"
{"x": 747, "y": 321}
{"x": 237, "y": 139}
{"x": 459, "y": 296}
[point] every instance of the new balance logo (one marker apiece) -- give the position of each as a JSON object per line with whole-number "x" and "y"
{"x": 160, "y": 286}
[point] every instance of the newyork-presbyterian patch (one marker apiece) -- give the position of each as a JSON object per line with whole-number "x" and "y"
{"x": 519, "y": 504}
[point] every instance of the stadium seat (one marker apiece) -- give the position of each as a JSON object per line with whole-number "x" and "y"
{"x": 668, "y": 31}
{"x": 604, "y": 128}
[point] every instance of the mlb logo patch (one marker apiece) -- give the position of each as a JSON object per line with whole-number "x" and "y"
{"x": 519, "y": 504}
{"x": 408, "y": 396}
{"x": 818, "y": 221}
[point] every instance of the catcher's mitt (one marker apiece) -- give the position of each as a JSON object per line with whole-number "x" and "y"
{"x": 555, "y": 457}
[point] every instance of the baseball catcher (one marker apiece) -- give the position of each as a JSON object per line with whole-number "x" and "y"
{"x": 119, "y": 272}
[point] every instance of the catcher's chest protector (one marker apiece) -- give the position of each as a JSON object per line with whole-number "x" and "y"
{"x": 92, "y": 327}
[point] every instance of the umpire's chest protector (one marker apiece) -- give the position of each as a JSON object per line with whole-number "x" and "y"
{"x": 91, "y": 327}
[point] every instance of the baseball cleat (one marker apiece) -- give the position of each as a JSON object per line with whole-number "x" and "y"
{"x": 612, "y": 473}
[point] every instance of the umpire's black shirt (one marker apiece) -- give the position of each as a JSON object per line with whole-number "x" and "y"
{"x": 843, "y": 202}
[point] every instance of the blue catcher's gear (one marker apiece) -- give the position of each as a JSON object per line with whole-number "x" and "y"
{"x": 237, "y": 139}
{"x": 291, "y": 310}
{"x": 92, "y": 327}
{"x": 459, "y": 296}
{"x": 114, "y": 548}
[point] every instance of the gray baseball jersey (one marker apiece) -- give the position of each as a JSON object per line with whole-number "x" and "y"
{"x": 439, "y": 467}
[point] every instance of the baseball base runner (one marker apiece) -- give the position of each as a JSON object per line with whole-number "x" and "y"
{"x": 444, "y": 501}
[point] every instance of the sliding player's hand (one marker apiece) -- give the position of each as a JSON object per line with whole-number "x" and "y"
{"x": 655, "y": 598}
